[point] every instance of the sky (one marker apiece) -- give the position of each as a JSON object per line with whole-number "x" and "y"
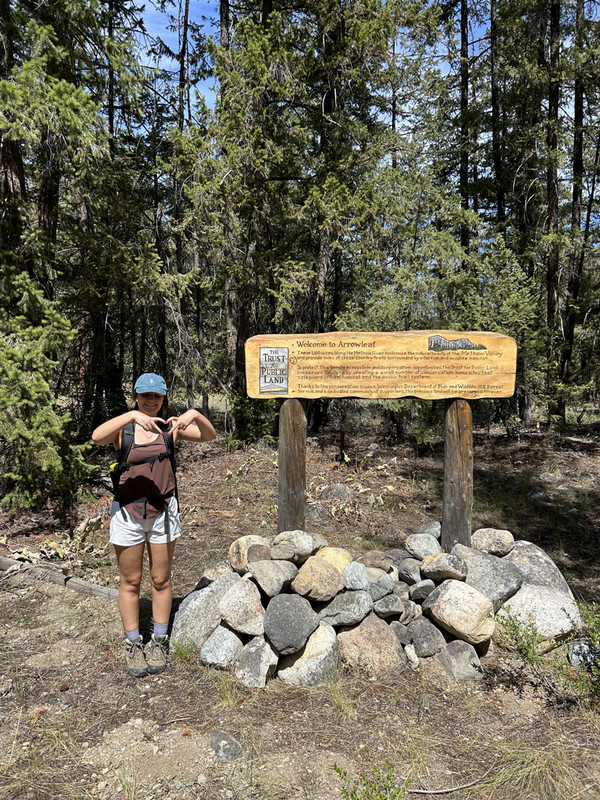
{"x": 201, "y": 12}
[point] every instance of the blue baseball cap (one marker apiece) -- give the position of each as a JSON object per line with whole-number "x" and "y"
{"x": 150, "y": 382}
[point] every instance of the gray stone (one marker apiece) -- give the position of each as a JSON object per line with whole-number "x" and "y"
{"x": 444, "y": 566}
{"x": 401, "y": 588}
{"x": 389, "y": 606}
{"x": 583, "y": 652}
{"x": 355, "y": 576}
{"x": 376, "y": 559}
{"x": 545, "y": 598}
{"x": 238, "y": 551}
{"x": 221, "y": 649}
{"x": 282, "y": 552}
{"x": 553, "y": 613}
{"x": 426, "y": 637}
{"x": 421, "y": 545}
{"x": 242, "y": 609}
{"x": 318, "y": 580}
{"x": 538, "y": 495}
{"x": 319, "y": 542}
{"x": 348, "y": 608}
{"x": 212, "y": 572}
{"x": 411, "y": 611}
{"x": 410, "y": 570}
{"x": 495, "y": 541}
{"x": 381, "y": 587}
{"x": 412, "y": 659}
{"x": 273, "y": 577}
{"x": 495, "y": 578}
{"x": 372, "y": 647}
{"x": 317, "y": 513}
{"x": 432, "y": 529}
{"x": 225, "y": 746}
{"x": 337, "y": 491}
{"x": 198, "y": 616}
{"x": 397, "y": 555}
{"x": 461, "y": 661}
{"x": 401, "y": 632}
{"x": 256, "y": 663}
{"x": 258, "y": 552}
{"x": 536, "y": 566}
{"x": 315, "y": 663}
{"x": 289, "y": 621}
{"x": 421, "y": 590}
{"x": 462, "y": 610}
{"x": 301, "y": 542}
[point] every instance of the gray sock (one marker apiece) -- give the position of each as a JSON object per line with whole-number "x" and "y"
{"x": 132, "y": 635}
{"x": 160, "y": 629}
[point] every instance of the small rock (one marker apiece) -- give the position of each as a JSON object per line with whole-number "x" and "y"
{"x": 372, "y": 647}
{"x": 348, "y": 608}
{"x": 495, "y": 541}
{"x": 421, "y": 545}
{"x": 425, "y": 637}
{"x": 462, "y": 610}
{"x": 238, "y": 551}
{"x": 583, "y": 652}
{"x": 225, "y": 746}
{"x": 301, "y": 542}
{"x": 256, "y": 663}
{"x": 355, "y": 576}
{"x": 410, "y": 570}
{"x": 444, "y": 566}
{"x": 461, "y": 661}
{"x": 421, "y": 590}
{"x": 431, "y": 529}
{"x": 337, "y": 491}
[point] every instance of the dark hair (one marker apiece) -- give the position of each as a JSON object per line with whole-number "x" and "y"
{"x": 163, "y": 409}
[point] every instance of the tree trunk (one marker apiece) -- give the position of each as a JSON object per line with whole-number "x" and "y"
{"x": 496, "y": 138}
{"x": 464, "y": 120}
{"x": 552, "y": 275}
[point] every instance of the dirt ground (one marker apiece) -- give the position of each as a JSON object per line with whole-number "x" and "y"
{"x": 73, "y": 724}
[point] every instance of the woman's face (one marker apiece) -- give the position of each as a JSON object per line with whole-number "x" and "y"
{"x": 150, "y": 403}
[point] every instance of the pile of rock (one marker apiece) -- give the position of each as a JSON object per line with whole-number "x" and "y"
{"x": 294, "y": 606}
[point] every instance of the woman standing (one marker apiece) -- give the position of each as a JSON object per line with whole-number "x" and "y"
{"x": 145, "y": 514}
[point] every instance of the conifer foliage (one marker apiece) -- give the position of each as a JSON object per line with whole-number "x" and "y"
{"x": 356, "y": 165}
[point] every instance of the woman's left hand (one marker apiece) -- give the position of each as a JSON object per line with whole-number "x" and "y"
{"x": 184, "y": 421}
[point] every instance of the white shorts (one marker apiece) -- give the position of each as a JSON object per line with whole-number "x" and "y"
{"x": 126, "y": 530}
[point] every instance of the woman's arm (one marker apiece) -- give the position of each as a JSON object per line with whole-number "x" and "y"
{"x": 193, "y": 427}
{"x": 110, "y": 431}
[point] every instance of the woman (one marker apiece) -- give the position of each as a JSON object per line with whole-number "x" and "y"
{"x": 145, "y": 513}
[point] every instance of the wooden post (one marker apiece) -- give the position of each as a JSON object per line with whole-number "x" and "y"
{"x": 458, "y": 474}
{"x": 291, "y": 509}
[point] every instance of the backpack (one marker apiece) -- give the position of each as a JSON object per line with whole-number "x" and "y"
{"x": 122, "y": 465}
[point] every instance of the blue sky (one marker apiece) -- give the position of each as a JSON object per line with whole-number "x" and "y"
{"x": 202, "y": 12}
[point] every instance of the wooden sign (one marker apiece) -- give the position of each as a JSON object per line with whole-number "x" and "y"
{"x": 430, "y": 365}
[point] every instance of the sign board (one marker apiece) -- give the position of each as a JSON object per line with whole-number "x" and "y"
{"x": 431, "y": 365}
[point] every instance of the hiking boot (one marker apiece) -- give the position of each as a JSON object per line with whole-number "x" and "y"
{"x": 134, "y": 657}
{"x": 156, "y": 654}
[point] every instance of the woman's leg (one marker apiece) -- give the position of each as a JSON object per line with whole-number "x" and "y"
{"x": 131, "y": 562}
{"x": 160, "y": 557}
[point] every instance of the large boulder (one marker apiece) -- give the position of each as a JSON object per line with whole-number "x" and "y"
{"x": 221, "y": 649}
{"x": 494, "y": 577}
{"x": 289, "y": 621}
{"x": 421, "y": 545}
{"x": 256, "y": 663}
{"x": 372, "y": 647}
{"x": 315, "y": 663}
{"x": 241, "y": 609}
{"x": 198, "y": 614}
{"x": 544, "y": 599}
{"x": 273, "y": 577}
{"x": 495, "y": 541}
{"x": 336, "y": 556}
{"x": 318, "y": 580}
{"x": 238, "y": 551}
{"x": 348, "y": 608}
{"x": 462, "y": 610}
{"x": 300, "y": 542}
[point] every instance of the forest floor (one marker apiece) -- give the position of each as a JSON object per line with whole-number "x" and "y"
{"x": 73, "y": 724}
